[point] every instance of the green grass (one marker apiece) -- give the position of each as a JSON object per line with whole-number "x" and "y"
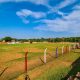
{"x": 54, "y": 72}
{"x": 60, "y": 71}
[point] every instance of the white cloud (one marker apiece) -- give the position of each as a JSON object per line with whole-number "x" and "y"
{"x": 37, "y": 15}
{"x": 39, "y": 1}
{"x": 65, "y": 3}
{"x": 46, "y": 3}
{"x": 24, "y": 13}
{"x": 43, "y": 2}
{"x": 70, "y": 23}
{"x": 59, "y": 6}
{"x": 33, "y": 1}
{"x": 53, "y": 25}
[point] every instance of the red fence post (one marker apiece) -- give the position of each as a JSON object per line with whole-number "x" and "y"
{"x": 26, "y": 64}
{"x": 26, "y": 61}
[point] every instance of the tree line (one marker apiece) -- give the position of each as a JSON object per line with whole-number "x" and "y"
{"x": 63, "y": 39}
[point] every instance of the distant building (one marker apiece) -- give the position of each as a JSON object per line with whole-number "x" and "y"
{"x": 12, "y": 42}
{"x": 3, "y": 41}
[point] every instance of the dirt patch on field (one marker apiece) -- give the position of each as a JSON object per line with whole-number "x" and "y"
{"x": 34, "y": 50}
{"x": 9, "y": 56}
{"x": 66, "y": 63}
{"x": 18, "y": 67}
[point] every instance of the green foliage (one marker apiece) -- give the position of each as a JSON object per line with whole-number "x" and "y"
{"x": 50, "y": 40}
{"x": 7, "y": 39}
{"x": 63, "y": 39}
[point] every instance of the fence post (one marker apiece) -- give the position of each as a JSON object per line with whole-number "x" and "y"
{"x": 69, "y": 48}
{"x": 26, "y": 62}
{"x": 44, "y": 57}
{"x": 62, "y": 50}
{"x": 26, "y": 69}
{"x": 45, "y": 51}
{"x": 66, "y": 50}
{"x": 74, "y": 46}
{"x": 56, "y": 52}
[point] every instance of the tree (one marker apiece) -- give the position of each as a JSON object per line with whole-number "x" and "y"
{"x": 57, "y": 39}
{"x": 7, "y": 39}
{"x": 50, "y": 40}
{"x": 31, "y": 41}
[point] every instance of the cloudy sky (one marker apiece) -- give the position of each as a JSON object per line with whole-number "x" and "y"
{"x": 39, "y": 18}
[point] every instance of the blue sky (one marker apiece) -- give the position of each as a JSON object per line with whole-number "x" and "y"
{"x": 39, "y": 18}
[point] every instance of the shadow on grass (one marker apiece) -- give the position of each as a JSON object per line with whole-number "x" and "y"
{"x": 75, "y": 67}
